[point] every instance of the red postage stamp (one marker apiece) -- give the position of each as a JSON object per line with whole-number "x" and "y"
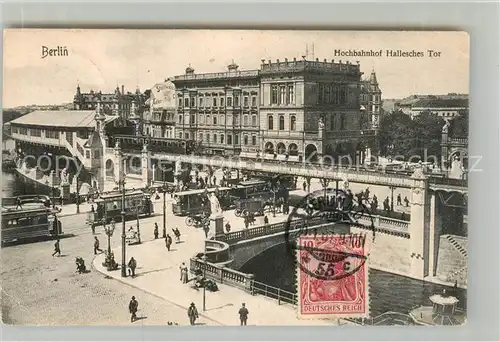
{"x": 332, "y": 275}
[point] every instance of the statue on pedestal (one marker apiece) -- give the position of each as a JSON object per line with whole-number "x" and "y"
{"x": 64, "y": 177}
{"x": 215, "y": 208}
{"x": 446, "y": 126}
{"x": 321, "y": 123}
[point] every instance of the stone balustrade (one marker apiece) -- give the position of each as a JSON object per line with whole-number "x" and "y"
{"x": 221, "y": 274}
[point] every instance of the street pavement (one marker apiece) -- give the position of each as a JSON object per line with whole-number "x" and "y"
{"x": 38, "y": 289}
{"x": 158, "y": 274}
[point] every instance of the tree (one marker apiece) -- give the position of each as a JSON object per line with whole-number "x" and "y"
{"x": 460, "y": 125}
{"x": 402, "y": 138}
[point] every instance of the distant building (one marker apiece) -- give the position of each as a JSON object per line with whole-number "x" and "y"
{"x": 371, "y": 102}
{"x": 443, "y": 107}
{"x": 121, "y": 104}
{"x": 412, "y": 105}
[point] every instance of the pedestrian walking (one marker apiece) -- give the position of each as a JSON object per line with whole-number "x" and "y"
{"x": 399, "y": 200}
{"x": 228, "y": 227}
{"x": 184, "y": 273}
{"x": 132, "y": 308}
{"x": 206, "y": 229}
{"x": 155, "y": 232}
{"x": 266, "y": 220}
{"x": 96, "y": 245}
{"x": 243, "y": 312}
{"x": 215, "y": 181}
{"x": 18, "y": 203}
{"x": 92, "y": 210}
{"x": 304, "y": 185}
{"x": 132, "y": 265}
{"x": 57, "y": 248}
{"x": 192, "y": 314}
{"x": 177, "y": 234}
{"x": 168, "y": 242}
{"x": 407, "y": 202}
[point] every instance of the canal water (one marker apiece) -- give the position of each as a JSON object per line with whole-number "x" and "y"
{"x": 388, "y": 292}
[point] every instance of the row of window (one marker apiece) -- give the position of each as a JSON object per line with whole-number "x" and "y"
{"x": 332, "y": 93}
{"x": 218, "y": 120}
{"x": 281, "y": 123}
{"x": 49, "y": 134}
{"x": 220, "y": 138}
{"x": 282, "y": 93}
{"x": 205, "y": 102}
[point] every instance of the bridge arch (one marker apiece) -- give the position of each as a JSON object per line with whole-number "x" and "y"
{"x": 311, "y": 152}
{"x": 281, "y": 148}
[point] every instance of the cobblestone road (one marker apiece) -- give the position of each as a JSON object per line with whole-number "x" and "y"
{"x": 38, "y": 289}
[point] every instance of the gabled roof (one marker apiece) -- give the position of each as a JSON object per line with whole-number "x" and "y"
{"x": 58, "y": 118}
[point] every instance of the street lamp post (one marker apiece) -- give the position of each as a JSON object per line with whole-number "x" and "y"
{"x": 137, "y": 203}
{"x": 204, "y": 258}
{"x": 121, "y": 185}
{"x": 392, "y": 197}
{"x": 164, "y": 212}
{"x": 109, "y": 230}
{"x": 77, "y": 196}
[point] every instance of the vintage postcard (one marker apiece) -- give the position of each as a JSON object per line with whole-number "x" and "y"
{"x": 220, "y": 177}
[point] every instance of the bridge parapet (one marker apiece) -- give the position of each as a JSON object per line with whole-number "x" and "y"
{"x": 305, "y": 169}
{"x": 221, "y": 274}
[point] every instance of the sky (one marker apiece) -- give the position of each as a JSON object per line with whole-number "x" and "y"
{"x": 103, "y": 59}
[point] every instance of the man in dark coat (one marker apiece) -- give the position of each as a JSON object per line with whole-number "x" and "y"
{"x": 132, "y": 264}
{"x": 168, "y": 242}
{"x": 96, "y": 245}
{"x": 192, "y": 314}
{"x": 132, "y": 308}
{"x": 155, "y": 232}
{"x": 243, "y": 312}
{"x": 57, "y": 248}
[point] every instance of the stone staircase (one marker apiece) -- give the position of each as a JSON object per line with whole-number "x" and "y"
{"x": 452, "y": 259}
{"x": 459, "y": 243}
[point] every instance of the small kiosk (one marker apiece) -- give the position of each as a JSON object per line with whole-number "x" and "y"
{"x": 444, "y": 311}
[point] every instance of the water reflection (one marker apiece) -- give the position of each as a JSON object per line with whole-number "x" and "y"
{"x": 388, "y": 292}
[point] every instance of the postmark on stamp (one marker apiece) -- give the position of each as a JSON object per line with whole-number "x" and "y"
{"x": 332, "y": 276}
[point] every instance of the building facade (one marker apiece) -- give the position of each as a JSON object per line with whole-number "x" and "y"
{"x": 126, "y": 105}
{"x": 309, "y": 109}
{"x": 371, "y": 102}
{"x": 445, "y": 108}
{"x": 291, "y": 110}
{"x": 219, "y": 110}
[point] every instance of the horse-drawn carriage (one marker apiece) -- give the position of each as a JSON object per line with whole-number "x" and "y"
{"x": 250, "y": 207}
{"x": 198, "y": 220}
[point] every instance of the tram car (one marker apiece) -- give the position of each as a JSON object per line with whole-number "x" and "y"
{"x": 33, "y": 220}
{"x": 155, "y": 144}
{"x": 109, "y": 206}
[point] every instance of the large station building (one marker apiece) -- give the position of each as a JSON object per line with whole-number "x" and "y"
{"x": 291, "y": 109}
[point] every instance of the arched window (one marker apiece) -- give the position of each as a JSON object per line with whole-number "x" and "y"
{"x": 215, "y": 120}
{"x": 282, "y": 123}
{"x": 208, "y": 120}
{"x": 270, "y": 122}
{"x": 293, "y": 123}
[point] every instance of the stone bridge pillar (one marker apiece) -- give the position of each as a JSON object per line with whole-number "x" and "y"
{"x": 435, "y": 225}
{"x": 419, "y": 226}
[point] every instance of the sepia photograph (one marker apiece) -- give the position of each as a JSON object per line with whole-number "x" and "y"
{"x": 234, "y": 177}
